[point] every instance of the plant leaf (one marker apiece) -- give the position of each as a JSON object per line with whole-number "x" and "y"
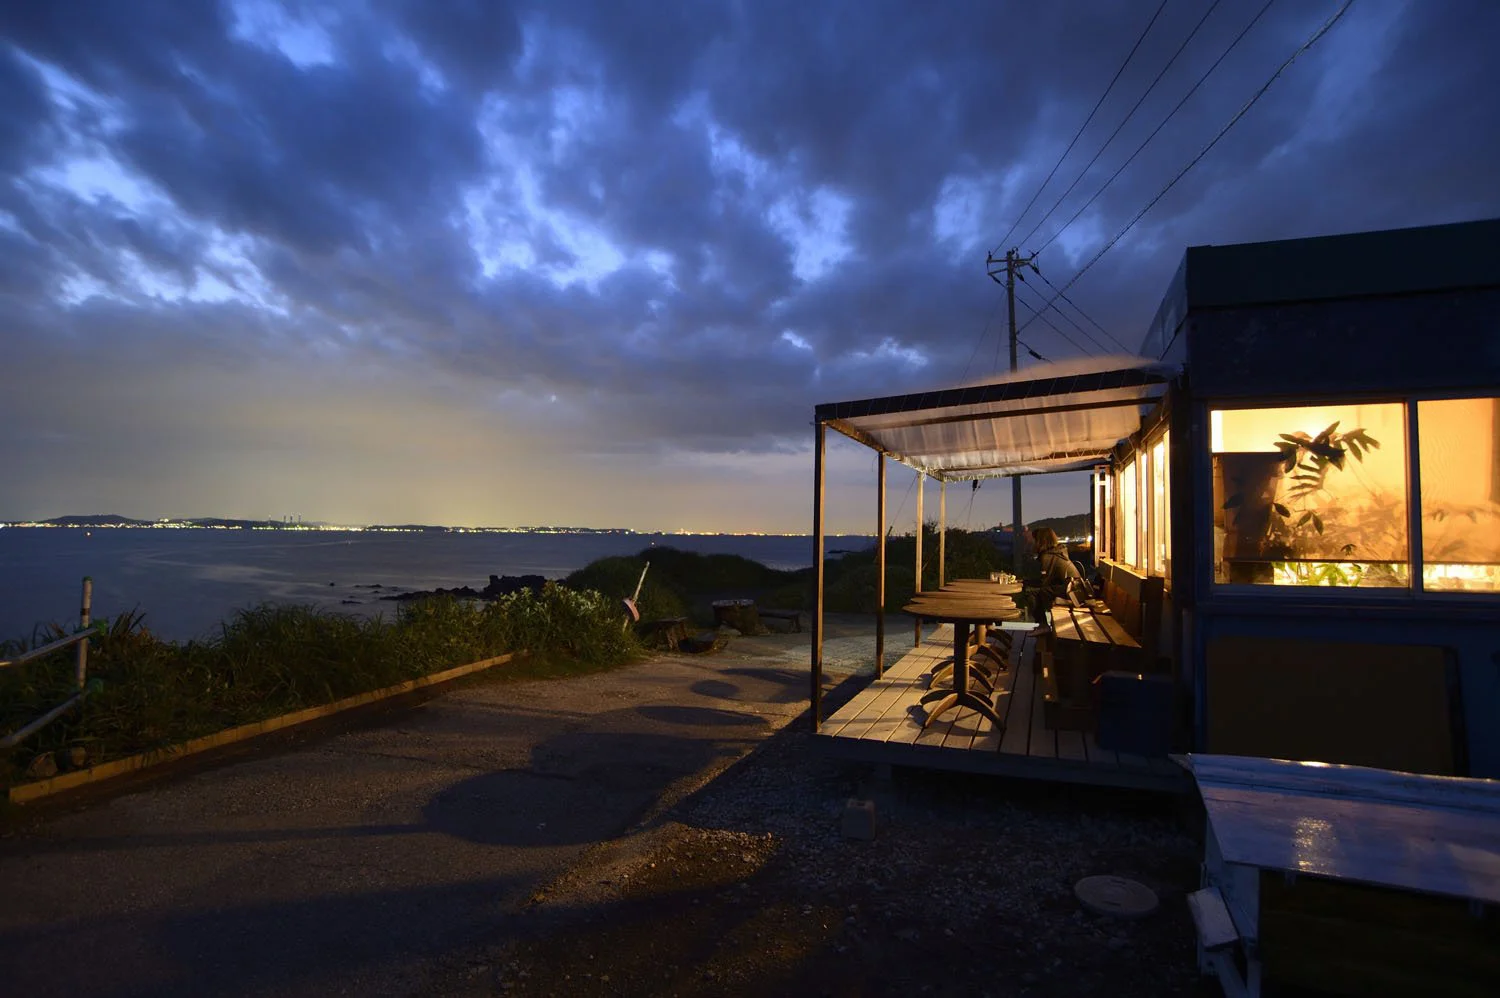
{"x": 1304, "y": 518}
{"x": 1281, "y": 509}
{"x": 1317, "y": 523}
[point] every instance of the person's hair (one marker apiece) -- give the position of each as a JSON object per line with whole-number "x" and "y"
{"x": 1044, "y": 538}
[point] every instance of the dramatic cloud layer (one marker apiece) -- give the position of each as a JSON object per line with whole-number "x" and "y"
{"x": 574, "y": 262}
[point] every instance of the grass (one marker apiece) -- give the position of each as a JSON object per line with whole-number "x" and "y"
{"x": 271, "y": 660}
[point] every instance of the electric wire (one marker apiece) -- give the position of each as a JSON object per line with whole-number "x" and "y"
{"x": 1081, "y": 312}
{"x": 983, "y": 335}
{"x": 1170, "y": 115}
{"x": 1123, "y": 122}
{"x": 1069, "y": 319}
{"x": 1311, "y": 41}
{"x": 1046, "y": 322}
{"x": 1079, "y": 134}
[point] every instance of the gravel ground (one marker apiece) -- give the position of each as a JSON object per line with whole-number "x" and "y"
{"x": 747, "y": 887}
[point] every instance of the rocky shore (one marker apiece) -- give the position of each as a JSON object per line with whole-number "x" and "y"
{"x": 499, "y": 585}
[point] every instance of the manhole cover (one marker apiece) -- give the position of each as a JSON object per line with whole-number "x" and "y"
{"x": 1116, "y": 896}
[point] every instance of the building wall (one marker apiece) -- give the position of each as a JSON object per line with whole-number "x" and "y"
{"x": 1354, "y": 346}
{"x": 1472, "y": 642}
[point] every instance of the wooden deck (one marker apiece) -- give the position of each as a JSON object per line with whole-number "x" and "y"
{"x": 882, "y": 724}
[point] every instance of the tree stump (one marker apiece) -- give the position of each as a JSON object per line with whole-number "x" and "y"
{"x": 739, "y": 614}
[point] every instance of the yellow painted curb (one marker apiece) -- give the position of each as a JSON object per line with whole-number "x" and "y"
{"x": 23, "y": 792}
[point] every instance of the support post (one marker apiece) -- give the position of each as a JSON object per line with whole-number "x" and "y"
{"x": 85, "y": 611}
{"x": 942, "y": 533}
{"x": 817, "y": 616}
{"x": 880, "y": 565}
{"x": 1013, "y": 263}
{"x": 921, "y": 487}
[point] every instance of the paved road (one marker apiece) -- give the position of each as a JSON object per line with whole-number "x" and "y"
{"x": 350, "y": 865}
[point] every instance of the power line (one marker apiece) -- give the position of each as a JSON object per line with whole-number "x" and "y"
{"x": 1035, "y": 315}
{"x": 979, "y": 342}
{"x": 1123, "y": 122}
{"x": 1072, "y": 322}
{"x": 1311, "y": 41}
{"x": 1079, "y": 134}
{"x": 1081, "y": 312}
{"x": 1170, "y": 115}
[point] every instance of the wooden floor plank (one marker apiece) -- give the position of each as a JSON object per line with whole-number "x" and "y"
{"x": 1017, "y": 737}
{"x": 892, "y": 694}
{"x": 989, "y": 740}
{"x": 1097, "y": 755}
{"x": 1070, "y": 746}
{"x": 1043, "y": 741}
{"x": 1129, "y": 760}
{"x": 871, "y": 703}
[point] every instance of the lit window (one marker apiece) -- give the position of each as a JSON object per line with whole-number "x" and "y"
{"x": 1311, "y": 495}
{"x": 1129, "y": 516}
{"x": 1460, "y": 473}
{"x": 1161, "y": 522}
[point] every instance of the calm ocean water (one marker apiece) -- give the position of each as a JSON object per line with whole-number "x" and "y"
{"x": 188, "y": 581}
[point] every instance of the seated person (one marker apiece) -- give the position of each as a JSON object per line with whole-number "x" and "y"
{"x": 1058, "y": 571}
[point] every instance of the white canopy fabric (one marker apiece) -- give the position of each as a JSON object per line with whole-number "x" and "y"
{"x": 1062, "y": 416}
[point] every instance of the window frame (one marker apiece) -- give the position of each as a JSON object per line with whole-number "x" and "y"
{"x": 1414, "y": 592}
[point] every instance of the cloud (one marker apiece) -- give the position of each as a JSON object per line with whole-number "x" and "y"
{"x": 628, "y": 246}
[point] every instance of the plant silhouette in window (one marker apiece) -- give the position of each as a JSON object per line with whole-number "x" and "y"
{"x": 1308, "y": 510}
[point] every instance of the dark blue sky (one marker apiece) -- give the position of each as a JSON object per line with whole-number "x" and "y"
{"x": 594, "y": 263}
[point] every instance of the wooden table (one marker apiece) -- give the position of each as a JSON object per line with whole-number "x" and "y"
{"x": 983, "y": 592}
{"x": 982, "y": 586}
{"x": 1363, "y": 881}
{"x": 961, "y": 613}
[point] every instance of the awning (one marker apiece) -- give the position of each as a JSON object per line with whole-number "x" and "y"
{"x": 1062, "y": 416}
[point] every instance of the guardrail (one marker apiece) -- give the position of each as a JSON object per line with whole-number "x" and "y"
{"x": 80, "y": 638}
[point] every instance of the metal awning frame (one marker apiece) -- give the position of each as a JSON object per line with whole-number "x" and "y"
{"x": 839, "y": 415}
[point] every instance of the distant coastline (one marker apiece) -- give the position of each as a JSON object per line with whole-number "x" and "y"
{"x": 112, "y": 521}
{"x": 1075, "y": 525}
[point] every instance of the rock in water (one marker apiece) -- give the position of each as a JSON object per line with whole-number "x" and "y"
{"x": 504, "y": 585}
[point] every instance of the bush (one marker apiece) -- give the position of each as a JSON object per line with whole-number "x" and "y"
{"x": 270, "y": 660}
{"x": 617, "y": 577}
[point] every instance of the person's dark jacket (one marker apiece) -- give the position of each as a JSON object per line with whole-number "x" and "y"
{"x": 1058, "y": 572}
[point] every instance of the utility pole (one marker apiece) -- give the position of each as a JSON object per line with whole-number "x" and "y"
{"x": 1013, "y": 263}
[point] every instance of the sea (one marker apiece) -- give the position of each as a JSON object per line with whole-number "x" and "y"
{"x": 187, "y": 582}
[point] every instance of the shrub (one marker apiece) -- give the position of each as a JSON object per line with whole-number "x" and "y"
{"x": 270, "y": 660}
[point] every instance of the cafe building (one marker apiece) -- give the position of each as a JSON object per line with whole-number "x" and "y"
{"x": 1295, "y": 491}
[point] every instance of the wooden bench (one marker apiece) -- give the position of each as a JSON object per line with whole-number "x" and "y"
{"x": 793, "y": 616}
{"x": 1084, "y": 644}
{"x": 1137, "y": 603}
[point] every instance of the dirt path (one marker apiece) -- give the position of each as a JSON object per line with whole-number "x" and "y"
{"x": 351, "y": 864}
